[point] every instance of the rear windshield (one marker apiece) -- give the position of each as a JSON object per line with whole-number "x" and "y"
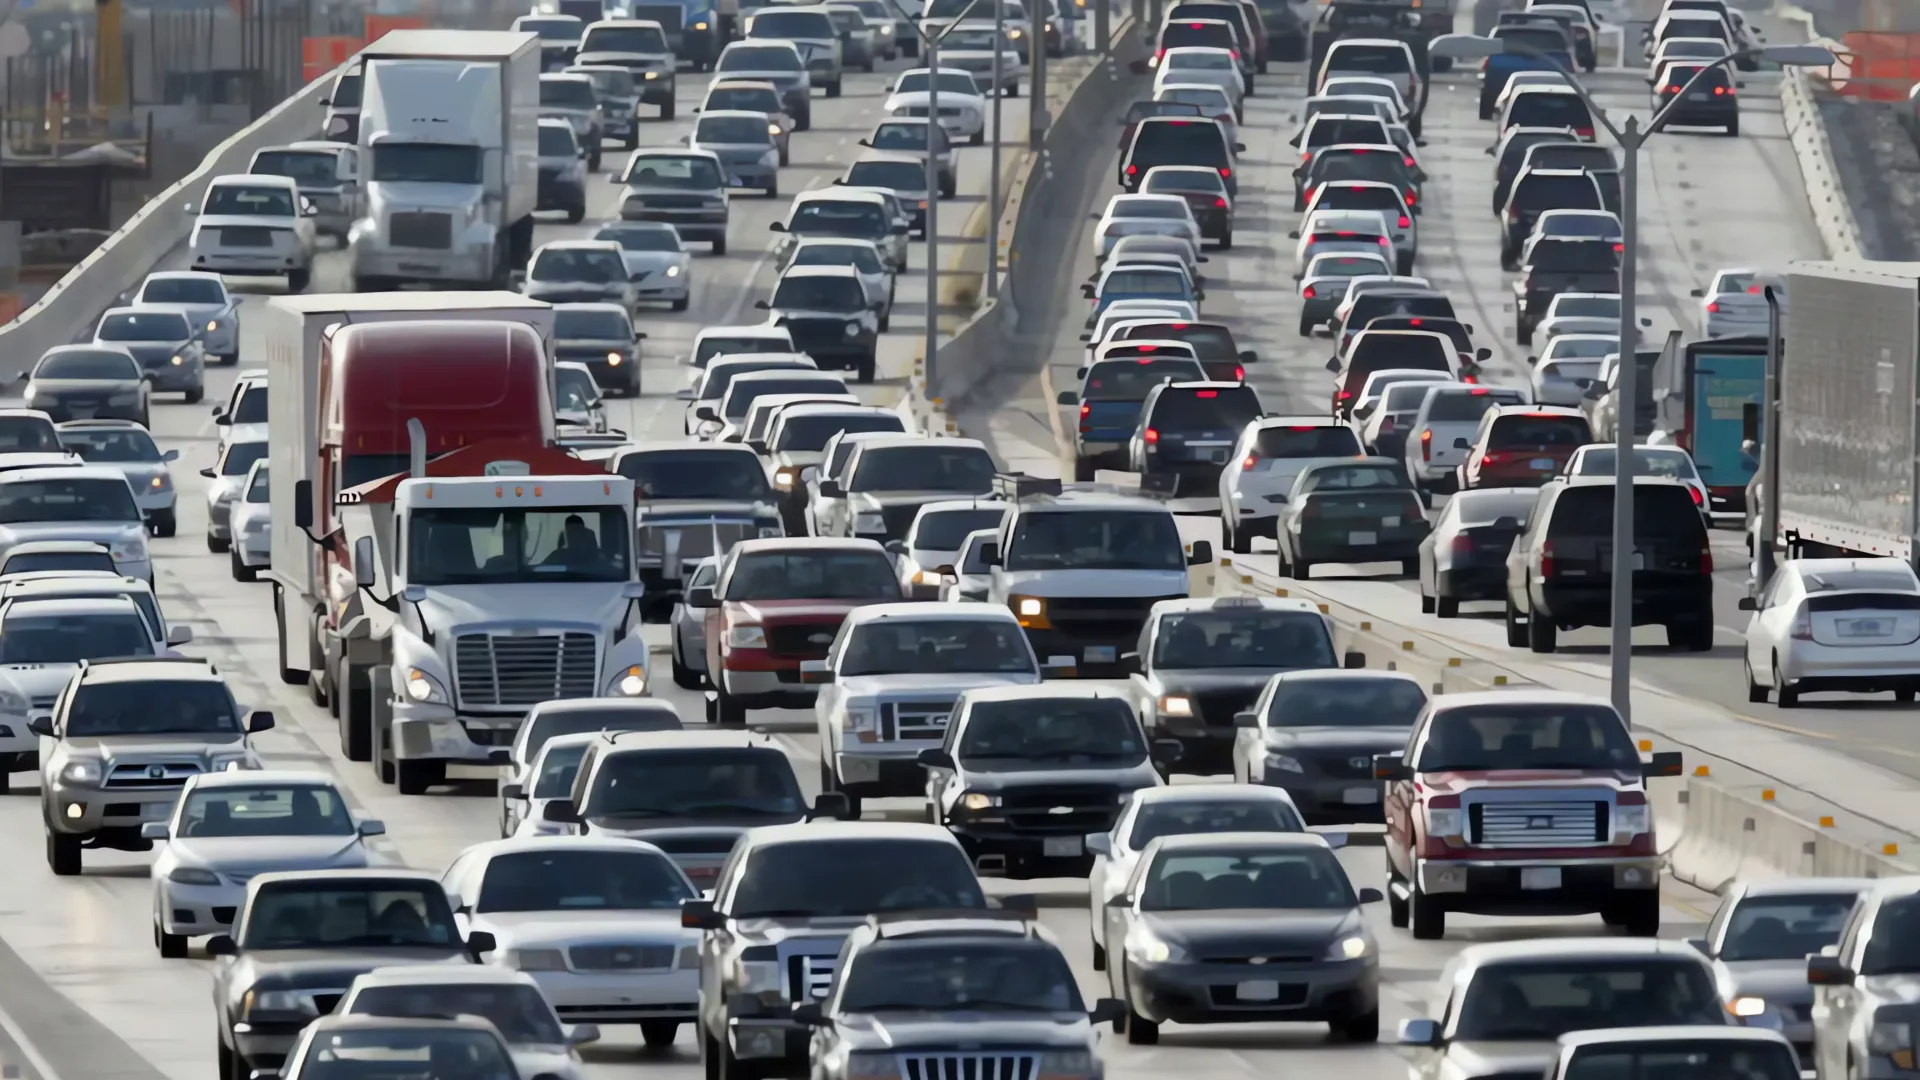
{"x": 1375, "y": 59}
{"x": 1549, "y": 110}
{"x": 1680, "y": 76}
{"x": 1373, "y": 305}
{"x": 1841, "y": 580}
{"x": 1536, "y": 191}
{"x": 1131, "y": 380}
{"x": 1180, "y": 142}
{"x": 1545, "y": 39}
{"x": 1659, "y": 1059}
{"x": 1427, "y": 352}
{"x": 1574, "y": 256}
{"x": 1539, "y": 429}
{"x": 1331, "y": 130}
{"x": 1217, "y": 34}
{"x": 1307, "y": 441}
{"x": 1140, "y": 110}
{"x": 569, "y": 93}
{"x": 1467, "y": 406}
{"x": 1358, "y": 197}
{"x": 1338, "y": 265}
{"x": 1660, "y": 511}
{"x": 808, "y": 433}
{"x": 1570, "y": 155}
{"x": 1455, "y": 332}
{"x": 1487, "y": 507}
{"x": 1209, "y": 341}
{"x": 557, "y": 142}
{"x": 1224, "y": 407}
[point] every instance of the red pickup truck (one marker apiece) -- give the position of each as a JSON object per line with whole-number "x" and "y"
{"x": 776, "y": 603}
{"x": 1521, "y": 802}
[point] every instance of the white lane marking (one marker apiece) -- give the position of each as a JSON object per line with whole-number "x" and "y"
{"x": 18, "y": 1036}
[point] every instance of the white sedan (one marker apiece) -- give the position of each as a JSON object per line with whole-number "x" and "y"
{"x": 1203, "y": 64}
{"x": 1365, "y": 231}
{"x": 1144, "y": 215}
{"x": 1842, "y": 625}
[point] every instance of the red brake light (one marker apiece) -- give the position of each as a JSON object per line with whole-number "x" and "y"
{"x": 1585, "y": 133}
{"x": 1470, "y": 378}
{"x": 1382, "y": 239}
{"x": 1158, "y": 53}
{"x": 1426, "y": 445}
{"x": 1306, "y": 155}
{"x": 1151, "y": 436}
{"x": 1345, "y": 235}
{"x": 1698, "y": 499}
{"x": 1084, "y": 410}
{"x": 1482, "y": 392}
{"x": 1132, "y": 169}
{"x": 1149, "y": 348}
{"x": 1345, "y": 394}
{"x": 1546, "y": 559}
{"x": 1413, "y": 322}
{"x": 1754, "y": 289}
{"x": 1462, "y": 547}
{"x": 1802, "y": 625}
{"x": 1248, "y": 463}
{"x": 1206, "y": 393}
{"x": 1144, "y": 360}
{"x": 1409, "y": 162}
{"x": 1412, "y": 198}
{"x": 1301, "y": 427}
{"x": 1220, "y": 203}
{"x": 1714, "y": 307}
{"x": 1194, "y": 26}
{"x": 1235, "y": 52}
{"x": 1239, "y": 374}
{"x": 1226, "y": 172}
{"x": 1307, "y": 293}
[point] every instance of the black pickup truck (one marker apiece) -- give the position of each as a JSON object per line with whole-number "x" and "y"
{"x": 1552, "y": 266}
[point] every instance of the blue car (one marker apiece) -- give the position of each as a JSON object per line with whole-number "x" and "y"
{"x": 1109, "y": 399}
{"x": 1554, "y": 54}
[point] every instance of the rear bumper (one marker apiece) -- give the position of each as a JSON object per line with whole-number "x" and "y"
{"x": 1590, "y": 603}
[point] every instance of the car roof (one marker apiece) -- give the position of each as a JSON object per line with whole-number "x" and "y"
{"x": 57, "y": 606}
{"x": 1674, "y": 1032}
{"x": 820, "y": 270}
{"x": 152, "y": 670}
{"x": 1211, "y": 791}
{"x": 66, "y": 582}
{"x": 444, "y": 974}
{"x": 1550, "y": 950}
{"x": 1276, "y": 841}
{"x": 263, "y": 179}
{"x": 804, "y": 831}
{"x": 1077, "y": 691}
{"x": 65, "y": 472}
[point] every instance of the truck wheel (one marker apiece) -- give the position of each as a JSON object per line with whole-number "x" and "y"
{"x": 666, "y": 110}
{"x": 659, "y": 1033}
{"x": 720, "y": 244}
{"x": 684, "y": 677}
{"x": 171, "y": 946}
{"x": 833, "y": 89}
{"x": 1426, "y": 917}
{"x": 1516, "y": 630}
{"x": 1082, "y": 471}
{"x": 1426, "y": 604}
{"x": 240, "y": 570}
{"x": 1541, "y": 633}
{"x": 1446, "y": 607}
{"x": 728, "y": 712}
{"x": 1302, "y": 569}
{"x": 164, "y": 522}
{"x": 356, "y": 716}
{"x": 803, "y": 122}
{"x": 1140, "y": 1030}
{"x": 1523, "y": 331}
{"x": 1396, "y": 904}
{"x": 1638, "y": 914}
{"x": 414, "y": 777}
{"x": 1013, "y": 90}
{"x": 63, "y": 854}
{"x": 979, "y": 138}
{"x": 863, "y": 371}
{"x": 576, "y": 212}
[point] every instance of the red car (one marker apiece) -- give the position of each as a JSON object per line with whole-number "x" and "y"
{"x": 1521, "y": 445}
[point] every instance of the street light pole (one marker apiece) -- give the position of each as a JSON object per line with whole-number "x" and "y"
{"x": 993, "y": 162}
{"x": 1764, "y": 553}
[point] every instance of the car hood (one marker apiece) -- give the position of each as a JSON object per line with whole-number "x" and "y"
{"x": 191, "y": 311}
{"x": 38, "y": 680}
{"x": 962, "y": 1027}
{"x": 737, "y": 151}
{"x": 1096, "y": 583}
{"x": 1200, "y": 682}
{"x": 521, "y": 929}
{"x": 650, "y": 260}
{"x": 585, "y": 605}
{"x": 329, "y": 969}
{"x": 778, "y": 315}
{"x": 84, "y": 386}
{"x": 873, "y": 686}
{"x": 1028, "y": 775}
{"x": 1456, "y": 782}
{"x": 1495, "y": 1058}
{"x": 1360, "y": 740}
{"x": 824, "y": 928}
{"x": 1779, "y": 982}
{"x": 665, "y": 830}
{"x": 154, "y": 746}
{"x": 1303, "y": 934}
{"x": 624, "y": 59}
{"x": 102, "y": 531}
{"x": 244, "y": 856}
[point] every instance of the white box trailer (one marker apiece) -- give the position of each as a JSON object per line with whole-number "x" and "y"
{"x": 296, "y": 327}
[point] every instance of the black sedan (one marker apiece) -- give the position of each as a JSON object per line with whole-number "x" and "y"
{"x": 1464, "y": 558}
{"x": 89, "y": 382}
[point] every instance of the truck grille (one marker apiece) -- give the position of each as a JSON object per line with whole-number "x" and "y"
{"x": 1218, "y": 707}
{"x": 808, "y": 641}
{"x": 1089, "y": 809}
{"x": 1101, "y": 618}
{"x": 920, "y": 111}
{"x": 1537, "y": 824}
{"x": 510, "y": 670}
{"x": 246, "y": 236}
{"x": 914, "y": 719}
{"x": 151, "y": 776}
{"x": 416, "y": 229}
{"x": 968, "y": 1066}
{"x": 1345, "y": 766}
{"x": 620, "y": 957}
{"x": 673, "y": 202}
{"x": 810, "y": 977}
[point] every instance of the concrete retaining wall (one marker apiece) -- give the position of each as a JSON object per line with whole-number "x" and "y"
{"x": 1839, "y": 228}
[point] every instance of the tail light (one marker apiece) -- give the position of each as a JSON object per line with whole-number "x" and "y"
{"x": 1312, "y": 510}
{"x": 1462, "y": 547}
{"x": 1307, "y": 293}
{"x": 1491, "y": 457}
{"x": 1240, "y": 375}
{"x": 1306, "y": 155}
{"x": 1802, "y": 625}
{"x": 1386, "y": 425}
{"x": 1247, "y": 463}
{"x": 1546, "y": 559}
{"x": 1706, "y": 554}
{"x": 1469, "y": 378}
{"x": 1133, "y": 170}
{"x": 1426, "y": 445}
{"x": 1409, "y": 161}
{"x": 1412, "y": 198}
{"x": 1714, "y": 307}
{"x": 1513, "y": 214}
{"x": 1754, "y": 289}
{"x": 1235, "y": 52}
{"x": 1698, "y": 499}
{"x": 1382, "y": 240}
{"x": 1085, "y": 410}
{"x": 1158, "y": 54}
{"x": 1151, "y": 436}
{"x": 1721, "y": 91}
{"x": 1206, "y": 393}
{"x": 1226, "y": 172}
{"x": 1224, "y": 118}
{"x": 1405, "y": 222}
{"x": 1220, "y": 204}
{"x": 1585, "y": 132}
{"x": 1343, "y": 395}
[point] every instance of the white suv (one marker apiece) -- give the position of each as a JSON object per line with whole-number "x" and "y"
{"x": 1269, "y": 455}
{"x": 1449, "y": 413}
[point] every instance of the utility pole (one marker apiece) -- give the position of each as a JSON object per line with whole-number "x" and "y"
{"x": 1103, "y": 26}
{"x": 1763, "y": 550}
{"x": 993, "y": 166}
{"x": 1037, "y": 115}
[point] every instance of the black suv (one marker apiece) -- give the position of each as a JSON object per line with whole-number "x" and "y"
{"x": 1177, "y": 140}
{"x": 1187, "y": 430}
{"x": 1712, "y": 101}
{"x": 1560, "y": 571}
{"x": 1552, "y": 266}
{"x": 1536, "y": 191}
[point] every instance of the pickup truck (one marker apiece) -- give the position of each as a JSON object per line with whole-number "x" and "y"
{"x": 1556, "y": 266}
{"x": 1514, "y": 802}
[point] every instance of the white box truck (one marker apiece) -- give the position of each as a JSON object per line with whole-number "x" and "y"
{"x": 449, "y": 137}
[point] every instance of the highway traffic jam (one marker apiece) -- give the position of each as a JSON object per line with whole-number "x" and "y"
{"x": 1063, "y": 795}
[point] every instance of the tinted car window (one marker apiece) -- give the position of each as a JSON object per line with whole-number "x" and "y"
{"x": 1660, "y": 511}
{"x": 1373, "y": 305}
{"x": 1180, "y": 142}
{"x": 1217, "y": 34}
{"x": 820, "y": 574}
{"x": 1329, "y": 130}
{"x": 1140, "y": 110}
{"x": 854, "y": 877}
{"x": 1574, "y": 256}
{"x": 1465, "y": 406}
{"x": 1377, "y": 59}
{"x": 1570, "y": 155}
{"x": 1549, "y": 110}
{"x": 1225, "y": 407}
{"x": 1526, "y": 429}
{"x": 1132, "y": 380}
{"x": 1346, "y": 702}
{"x": 1306, "y": 441}
{"x": 1170, "y": 817}
{"x": 1536, "y": 191}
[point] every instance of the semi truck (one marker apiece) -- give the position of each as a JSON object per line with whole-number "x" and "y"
{"x": 342, "y": 403}
{"x": 1709, "y": 402}
{"x": 694, "y": 28}
{"x": 449, "y": 130}
{"x": 1849, "y": 476}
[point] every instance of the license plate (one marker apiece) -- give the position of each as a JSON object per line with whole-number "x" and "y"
{"x": 1389, "y": 522}
{"x": 1864, "y": 627}
{"x": 1061, "y": 847}
{"x": 1696, "y": 97}
{"x": 1362, "y": 539}
{"x": 1257, "y": 990}
{"x": 1100, "y": 654}
{"x": 1540, "y": 463}
{"x": 1539, "y": 877}
{"x": 1360, "y": 796}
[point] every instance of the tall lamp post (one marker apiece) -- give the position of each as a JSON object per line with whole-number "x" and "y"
{"x": 1631, "y": 138}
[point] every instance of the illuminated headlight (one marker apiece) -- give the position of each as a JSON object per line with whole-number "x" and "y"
{"x": 1283, "y": 763}
{"x": 632, "y": 682}
{"x": 1747, "y": 1006}
{"x": 652, "y": 75}
{"x": 869, "y": 523}
{"x": 773, "y": 129}
{"x": 673, "y": 271}
{"x": 1016, "y": 34}
{"x": 537, "y": 960}
{"x": 423, "y": 687}
{"x": 81, "y": 772}
{"x": 746, "y": 637}
{"x": 1350, "y": 948}
{"x": 177, "y": 360}
{"x": 1144, "y": 948}
{"x": 273, "y": 1001}
{"x": 1176, "y": 706}
{"x": 853, "y": 329}
{"x": 128, "y": 550}
{"x": 1030, "y": 607}
{"x": 193, "y": 875}
{"x": 975, "y": 800}
{"x": 614, "y": 359}
{"x": 1632, "y": 820}
{"x": 1446, "y": 822}
{"x": 785, "y": 478}
{"x": 213, "y": 324}
{"x": 159, "y": 483}
{"x": 699, "y": 26}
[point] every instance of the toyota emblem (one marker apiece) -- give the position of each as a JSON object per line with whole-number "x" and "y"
{"x": 1061, "y": 810}
{"x": 623, "y": 958}
{"x": 1360, "y": 762}
{"x": 156, "y": 772}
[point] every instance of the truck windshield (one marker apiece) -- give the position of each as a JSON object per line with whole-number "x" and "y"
{"x": 71, "y": 638}
{"x": 696, "y": 474}
{"x": 734, "y": 782}
{"x": 1539, "y": 1002}
{"x": 808, "y": 433}
{"x": 371, "y": 913}
{"x": 647, "y": 40}
{"x": 925, "y": 647}
{"x": 581, "y": 881}
{"x": 1527, "y": 736}
{"x": 308, "y": 168}
{"x": 854, "y": 876}
{"x": 1254, "y": 638}
{"x": 67, "y": 499}
{"x": 892, "y": 174}
{"x": 1099, "y": 729}
{"x": 1095, "y": 540}
{"x": 817, "y": 574}
{"x": 840, "y": 217}
{"x": 346, "y": 91}
{"x": 485, "y": 546}
{"x": 425, "y": 163}
{"x": 642, "y": 236}
{"x": 1784, "y": 927}
{"x": 860, "y": 256}
{"x": 186, "y": 290}
{"x": 1012, "y": 976}
{"x": 720, "y": 345}
{"x": 928, "y": 467}
{"x": 117, "y": 445}
{"x": 151, "y": 707}
{"x": 1357, "y": 701}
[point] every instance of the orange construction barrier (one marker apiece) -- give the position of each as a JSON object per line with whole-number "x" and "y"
{"x": 319, "y": 55}
{"x": 378, "y": 25}
{"x": 1878, "y": 66}
{"x": 10, "y": 307}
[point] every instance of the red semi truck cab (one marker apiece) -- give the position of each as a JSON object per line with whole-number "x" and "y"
{"x": 1521, "y": 802}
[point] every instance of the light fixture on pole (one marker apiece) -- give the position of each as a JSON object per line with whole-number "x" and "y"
{"x": 1630, "y": 137}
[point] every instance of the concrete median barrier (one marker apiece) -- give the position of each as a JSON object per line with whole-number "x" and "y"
{"x": 1839, "y": 227}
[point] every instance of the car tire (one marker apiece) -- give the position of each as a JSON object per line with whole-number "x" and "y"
{"x": 1446, "y": 607}
{"x": 171, "y": 946}
{"x": 1301, "y": 570}
{"x": 979, "y": 138}
{"x": 786, "y": 156}
{"x": 241, "y": 571}
{"x": 164, "y": 523}
{"x": 232, "y": 1067}
{"x": 298, "y": 280}
{"x": 863, "y": 371}
{"x": 720, "y": 245}
{"x": 1140, "y": 1030}
{"x": 576, "y": 213}
{"x": 1226, "y": 242}
{"x": 195, "y": 395}
{"x": 593, "y": 157}
{"x": 63, "y": 854}
{"x": 632, "y": 141}
{"x": 659, "y": 1034}
{"x": 1013, "y": 91}
{"x": 833, "y": 89}
{"x": 1362, "y": 1028}
{"x": 667, "y": 110}
{"x": 1733, "y": 129}
{"x": 217, "y": 545}
{"x": 684, "y": 677}
{"x": 414, "y": 777}
{"x": 1425, "y": 917}
{"x": 1516, "y": 630}
{"x": 1639, "y": 914}
{"x": 677, "y": 305}
{"x": 1306, "y": 328}
{"x": 728, "y": 712}
{"x": 1542, "y": 634}
{"x": 1786, "y": 697}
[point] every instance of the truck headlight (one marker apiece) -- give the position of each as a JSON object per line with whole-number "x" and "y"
{"x": 631, "y": 682}
{"x": 1283, "y": 763}
{"x": 212, "y": 325}
{"x": 1745, "y": 1007}
{"x": 785, "y": 478}
{"x": 160, "y": 483}
{"x": 176, "y": 360}
{"x": 614, "y": 359}
{"x": 537, "y": 960}
{"x": 853, "y": 329}
{"x": 869, "y": 523}
{"x": 1175, "y": 705}
{"x": 128, "y": 550}
{"x": 746, "y": 637}
{"x": 193, "y": 875}
{"x": 756, "y": 976}
{"x": 1144, "y": 948}
{"x": 699, "y": 26}
{"x": 1632, "y": 820}
{"x": 425, "y": 688}
{"x": 81, "y": 772}
{"x": 1446, "y": 822}
{"x": 230, "y": 763}
{"x": 860, "y": 718}
{"x": 1029, "y": 607}
{"x": 1352, "y": 947}
{"x": 979, "y": 800}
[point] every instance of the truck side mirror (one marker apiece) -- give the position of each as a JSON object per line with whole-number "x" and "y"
{"x": 1066, "y": 398}
{"x": 560, "y": 812}
{"x": 303, "y": 504}
{"x": 1462, "y": 444}
{"x": 830, "y": 489}
{"x": 935, "y": 757}
{"x": 1248, "y": 720}
{"x": 1391, "y": 767}
{"x": 990, "y": 554}
{"x": 1201, "y": 554}
{"x": 700, "y": 915}
{"x": 701, "y": 596}
{"x": 1354, "y": 660}
{"x": 1828, "y": 971}
{"x": 363, "y": 562}
{"x": 1664, "y": 763}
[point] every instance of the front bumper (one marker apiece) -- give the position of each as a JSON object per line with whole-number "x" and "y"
{"x": 692, "y": 224}
{"x": 171, "y": 378}
{"x": 771, "y": 689}
{"x": 58, "y": 410}
{"x": 246, "y": 263}
{"x": 995, "y": 847}
{"x": 1498, "y": 886}
{"x": 192, "y": 910}
{"x": 424, "y": 732}
{"x": 1196, "y": 992}
{"x": 1098, "y": 652}
{"x": 254, "y": 546}
{"x": 79, "y": 811}
{"x": 880, "y": 770}
{"x": 558, "y": 193}
{"x": 456, "y": 264}
{"x": 621, "y": 997}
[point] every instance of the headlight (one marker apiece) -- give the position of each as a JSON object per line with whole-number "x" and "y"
{"x": 614, "y": 359}
{"x": 632, "y": 682}
{"x": 853, "y": 329}
{"x": 652, "y": 75}
{"x": 272, "y": 1001}
{"x": 537, "y": 960}
{"x": 1350, "y": 948}
{"x": 81, "y": 772}
{"x": 1887, "y": 1038}
{"x": 177, "y": 360}
{"x": 159, "y": 483}
{"x": 1146, "y": 949}
{"x": 773, "y": 129}
{"x": 785, "y": 478}
{"x": 869, "y": 523}
{"x": 756, "y": 976}
{"x": 128, "y": 550}
{"x": 1283, "y": 763}
{"x": 230, "y": 763}
{"x": 191, "y": 875}
{"x": 1747, "y": 1006}
{"x": 1446, "y": 822}
{"x": 13, "y": 702}
{"x": 123, "y": 399}
{"x": 1030, "y": 607}
{"x": 673, "y": 271}
{"x": 424, "y": 687}
{"x": 746, "y": 637}
{"x": 1066, "y": 1063}
{"x": 213, "y": 325}
{"x": 699, "y": 26}
{"x": 859, "y": 718}
{"x": 1176, "y": 706}
{"x": 1632, "y": 820}
{"x": 974, "y": 800}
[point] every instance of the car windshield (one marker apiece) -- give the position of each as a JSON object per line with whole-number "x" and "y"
{"x": 568, "y": 93}
{"x": 1753, "y": 284}
{"x": 972, "y": 40}
{"x": 1894, "y": 948}
{"x": 864, "y": 876}
{"x": 1667, "y": 1058}
{"x": 951, "y": 82}
{"x": 557, "y": 141}
{"x": 696, "y": 474}
{"x": 733, "y": 129}
{"x": 840, "y": 217}
{"x": 946, "y": 530}
{"x": 1346, "y": 701}
{"x": 809, "y": 432}
{"x": 89, "y": 366}
{"x": 249, "y": 199}
{"x": 861, "y": 257}
{"x": 1674, "y": 464}
{"x": 924, "y": 466}
{"x": 1404, "y": 397}
{"x": 760, "y": 58}
{"x": 111, "y": 445}
{"x": 1251, "y": 638}
{"x": 1172, "y": 817}
{"x": 739, "y": 782}
{"x": 188, "y": 290}
{"x": 575, "y": 390}
{"x": 252, "y": 406}
{"x": 592, "y": 326}
{"x": 240, "y": 457}
{"x": 1573, "y": 256}
{"x": 151, "y": 707}
{"x": 1784, "y": 926}
{"x": 269, "y": 810}
{"x": 792, "y": 25}
{"x": 347, "y": 90}
{"x": 145, "y": 326}
{"x": 335, "y": 914}
{"x": 944, "y": 647}
{"x": 1539, "y": 1002}
{"x": 1065, "y": 730}
{"x": 1143, "y": 282}
{"x": 744, "y": 98}
{"x": 744, "y": 392}
{"x": 625, "y": 39}
{"x": 675, "y": 173}
{"x": 482, "y": 545}
{"x": 1207, "y": 97}
{"x": 67, "y": 499}
{"x": 595, "y": 266}
{"x": 555, "y": 772}
{"x": 582, "y": 880}
{"x": 409, "y": 1053}
{"x": 1335, "y": 264}
{"x": 969, "y": 976}
{"x": 824, "y": 293}
{"x": 1527, "y": 735}
{"x": 71, "y": 638}
{"x": 1095, "y": 540}
{"x": 1215, "y": 880}
{"x": 520, "y": 1012}
{"x": 892, "y": 175}
{"x": 818, "y": 574}
{"x": 426, "y": 163}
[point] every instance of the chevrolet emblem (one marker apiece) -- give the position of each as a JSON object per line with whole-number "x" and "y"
{"x": 1061, "y": 810}
{"x": 156, "y": 772}
{"x": 1257, "y": 960}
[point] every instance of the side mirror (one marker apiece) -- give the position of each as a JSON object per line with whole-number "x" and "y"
{"x": 1106, "y": 1010}
{"x": 809, "y": 1014}
{"x": 1748, "y": 603}
{"x": 832, "y": 806}
{"x": 480, "y": 942}
{"x": 515, "y": 792}
{"x": 1697, "y": 294}
{"x": 1099, "y": 843}
{"x": 1168, "y": 751}
{"x": 1239, "y": 148}
{"x": 1821, "y": 971}
{"x": 179, "y": 635}
{"x": 43, "y": 727}
{"x": 1067, "y": 398}
{"x": 935, "y": 757}
{"x": 701, "y": 596}
{"x": 153, "y": 830}
{"x": 1532, "y": 360}
{"x": 1700, "y": 946}
{"x": 582, "y": 1034}
{"x": 1664, "y": 763}
{"x": 1249, "y": 720}
{"x": 1508, "y": 522}
{"x": 700, "y": 915}
{"x": 219, "y": 419}
{"x": 896, "y": 547}
{"x": 1462, "y": 444}
{"x": 303, "y": 504}
{"x": 373, "y": 827}
{"x": 170, "y": 456}
{"x": 258, "y": 721}
{"x": 222, "y": 945}
{"x": 1482, "y": 354}
{"x": 1371, "y": 895}
{"x": 1202, "y": 553}
{"x": 1333, "y": 364}
{"x": 1248, "y": 356}
{"x": 815, "y": 672}
{"x": 706, "y": 410}
{"x": 831, "y": 489}
{"x": 1354, "y": 660}
{"x": 1391, "y": 767}
{"x": 363, "y": 562}
{"x": 207, "y": 472}
{"x": 990, "y": 554}
{"x": 1419, "y": 1032}
{"x": 1293, "y": 234}
{"x": 1088, "y": 291}
{"x": 762, "y": 305}
{"x": 777, "y": 226}
{"x": 560, "y": 812}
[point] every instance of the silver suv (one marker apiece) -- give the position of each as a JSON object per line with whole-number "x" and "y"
{"x": 127, "y": 735}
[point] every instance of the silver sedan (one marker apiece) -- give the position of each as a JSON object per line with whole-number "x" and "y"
{"x": 1734, "y": 304}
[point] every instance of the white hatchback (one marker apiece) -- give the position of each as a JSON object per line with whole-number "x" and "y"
{"x": 1844, "y": 625}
